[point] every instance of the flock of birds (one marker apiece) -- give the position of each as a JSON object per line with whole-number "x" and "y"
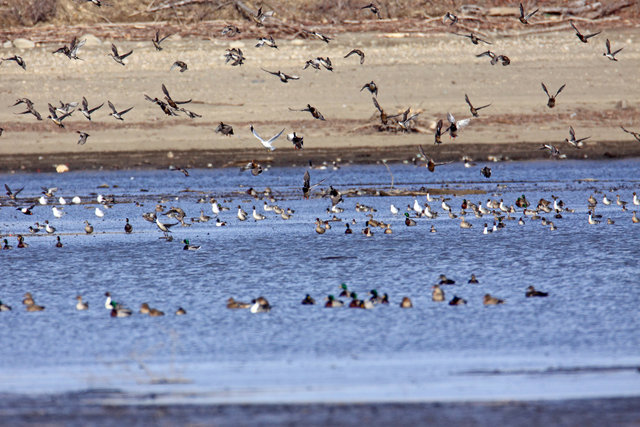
{"x": 497, "y": 210}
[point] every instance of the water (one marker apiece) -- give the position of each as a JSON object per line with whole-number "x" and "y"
{"x": 580, "y": 341}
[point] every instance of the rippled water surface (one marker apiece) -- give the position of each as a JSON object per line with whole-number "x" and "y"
{"x": 581, "y": 340}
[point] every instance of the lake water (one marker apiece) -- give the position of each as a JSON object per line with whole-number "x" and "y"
{"x": 581, "y": 341}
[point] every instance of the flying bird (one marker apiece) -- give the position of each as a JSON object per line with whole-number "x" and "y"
{"x": 438, "y": 132}
{"x": 430, "y": 164}
{"x": 157, "y": 40}
{"x": 85, "y": 108}
{"x": 224, "y": 129}
{"x": 116, "y": 57}
{"x": 318, "y": 35}
{"x": 455, "y": 125}
{"x": 83, "y": 137}
{"x": 524, "y": 18}
{"x": 371, "y": 87}
{"x": 117, "y": 114}
{"x": 253, "y": 166}
{"x": 636, "y": 135}
{"x": 235, "y": 55}
{"x": 13, "y": 194}
{"x": 474, "y": 39}
{"x": 55, "y": 118}
{"x": 71, "y": 51}
{"x": 373, "y": 8}
{"x": 296, "y": 140}
{"x": 181, "y": 65}
{"x": 284, "y": 78}
{"x": 474, "y": 110}
{"x": 552, "y": 99}
{"x": 583, "y": 38}
{"x": 262, "y": 41}
{"x": 553, "y": 150}
{"x": 30, "y": 108}
{"x": 449, "y": 17}
{"x": 611, "y": 55}
{"x": 356, "y": 52}
{"x": 268, "y": 144}
{"x": 170, "y": 101}
{"x": 18, "y": 60}
{"x": 577, "y": 143}
{"x": 306, "y": 186}
{"x": 313, "y": 110}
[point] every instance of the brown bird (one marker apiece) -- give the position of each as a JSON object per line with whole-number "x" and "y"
{"x": 429, "y": 163}
{"x": 179, "y": 64}
{"x": 373, "y": 8}
{"x": 30, "y": 108}
{"x": 438, "y": 133}
{"x": 356, "y": 52}
{"x": 474, "y": 110}
{"x": 253, "y": 166}
{"x": 18, "y": 61}
{"x": 284, "y": 78}
{"x": 474, "y": 39}
{"x": 170, "y": 101}
{"x": 552, "y": 99}
{"x": 117, "y": 57}
{"x": 157, "y": 40}
{"x": 371, "y": 87}
{"x": 224, "y": 129}
{"x": 583, "y": 38}
{"x": 525, "y": 18}
{"x": 313, "y": 110}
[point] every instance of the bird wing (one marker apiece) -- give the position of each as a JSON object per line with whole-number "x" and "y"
{"x": 521, "y": 11}
{"x": 126, "y": 54}
{"x": 114, "y": 49}
{"x": 273, "y": 138}
{"x": 165, "y": 91}
{"x": 123, "y": 112}
{"x": 271, "y": 72}
{"x": 574, "y": 27}
{"x": 560, "y": 90}
{"x": 451, "y": 119}
{"x": 608, "y": 44}
{"x": 375, "y": 102}
{"x": 85, "y": 103}
{"x": 96, "y": 108}
{"x": 592, "y": 35}
{"x": 466, "y": 98}
{"x": 544, "y": 88}
{"x": 531, "y": 14}
{"x": 463, "y": 123}
{"x": 572, "y": 133}
{"x": 616, "y": 52}
{"x": 112, "y": 107}
{"x": 290, "y": 77}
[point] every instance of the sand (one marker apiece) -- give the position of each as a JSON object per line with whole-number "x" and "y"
{"x": 429, "y": 73}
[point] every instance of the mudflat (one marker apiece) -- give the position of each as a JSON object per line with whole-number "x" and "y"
{"x": 428, "y": 73}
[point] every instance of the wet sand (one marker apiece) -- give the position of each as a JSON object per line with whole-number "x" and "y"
{"x": 428, "y": 72}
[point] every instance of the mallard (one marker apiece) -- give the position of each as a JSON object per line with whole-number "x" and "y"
{"x": 474, "y": 110}
{"x": 6, "y": 245}
{"x": 408, "y": 221}
{"x": 117, "y": 311}
{"x": 181, "y": 312}
{"x": 406, "y": 303}
{"x": 355, "y": 302}
{"x": 332, "y": 302}
{"x": 473, "y": 280}
{"x": 189, "y": 247}
{"x": 21, "y": 242}
{"x": 437, "y": 294}
{"x": 345, "y": 292}
{"x": 308, "y": 300}
{"x": 532, "y": 292}
{"x": 375, "y": 298}
{"x": 81, "y": 305}
{"x": 233, "y": 304}
{"x": 489, "y": 300}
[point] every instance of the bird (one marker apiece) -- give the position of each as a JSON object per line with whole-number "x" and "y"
{"x": 165, "y": 228}
{"x": 242, "y": 215}
{"x": 30, "y": 107}
{"x": 489, "y": 300}
{"x": 524, "y": 18}
{"x": 55, "y": 118}
{"x": 636, "y": 135}
{"x": 449, "y": 17}
{"x": 262, "y": 41}
{"x": 268, "y": 144}
{"x": 318, "y": 35}
{"x": 406, "y": 303}
{"x": 179, "y": 64}
{"x": 117, "y": 114}
{"x": 583, "y": 38}
{"x": 446, "y": 281}
{"x": 456, "y": 300}
{"x": 474, "y": 110}
{"x": 429, "y": 163}
{"x": 14, "y": 194}
{"x": 373, "y": 8}
{"x": 437, "y": 294}
{"x": 71, "y": 51}
{"x": 80, "y": 305}
{"x": 156, "y": 40}
{"x": 233, "y": 304}
{"x": 313, "y": 110}
{"x": 171, "y": 101}
{"x": 116, "y": 57}
{"x": 296, "y": 140}
{"x": 474, "y": 39}
{"x": 230, "y": 31}
{"x": 611, "y": 55}
{"x": 503, "y": 59}
{"x": 455, "y": 126}
{"x": 308, "y": 300}
{"x": 577, "y": 143}
{"x": 438, "y": 133}
{"x": 181, "y": 311}
{"x": 18, "y": 60}
{"x": 552, "y": 99}
{"x": 189, "y": 247}
{"x": 88, "y": 228}
{"x": 284, "y": 78}
{"x": 319, "y": 227}
{"x": 6, "y": 245}
{"x": 224, "y": 129}
{"x": 257, "y": 216}
{"x": 4, "y": 307}
{"x": 85, "y": 108}
{"x": 356, "y": 52}
{"x": 83, "y": 137}
{"x": 127, "y": 227}
{"x": 98, "y": 212}
{"x": 532, "y": 292}
{"x": 473, "y": 280}
{"x": 259, "y": 305}
{"x": 553, "y": 150}
{"x": 235, "y": 55}
{"x": 371, "y": 87}
{"x": 332, "y": 302}
{"x": 254, "y": 167}
{"x": 486, "y": 171}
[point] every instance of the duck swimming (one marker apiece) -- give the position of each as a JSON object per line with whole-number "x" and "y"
{"x": 437, "y": 294}
{"x": 532, "y": 292}
{"x": 308, "y": 300}
{"x": 233, "y": 304}
{"x": 81, "y": 305}
{"x": 489, "y": 300}
{"x": 333, "y": 302}
{"x": 406, "y": 303}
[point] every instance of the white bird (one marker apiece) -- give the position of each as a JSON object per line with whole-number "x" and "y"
{"x": 636, "y": 201}
{"x": 593, "y": 221}
{"x": 57, "y": 212}
{"x": 76, "y": 200}
{"x": 445, "y": 206}
{"x": 455, "y": 126}
{"x": 605, "y": 200}
{"x": 485, "y": 230}
{"x": 429, "y": 198}
{"x": 99, "y": 213}
{"x": 100, "y": 198}
{"x": 42, "y": 200}
{"x": 62, "y": 201}
{"x": 268, "y": 144}
{"x": 49, "y": 228}
{"x": 215, "y": 208}
{"x": 416, "y": 206}
{"x": 257, "y": 216}
{"x": 242, "y": 215}
{"x": 393, "y": 209}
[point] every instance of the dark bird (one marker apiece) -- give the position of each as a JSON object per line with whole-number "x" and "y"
{"x": 455, "y": 125}
{"x": 235, "y": 55}
{"x": 577, "y": 143}
{"x": 313, "y": 110}
{"x": 552, "y": 99}
{"x": 269, "y": 41}
{"x": 429, "y": 163}
{"x": 449, "y": 17}
{"x": 486, "y": 171}
{"x": 127, "y": 227}
{"x": 230, "y": 31}
{"x": 611, "y": 55}
{"x": 284, "y": 78}
{"x": 179, "y": 169}
{"x": 384, "y": 118}
{"x": 55, "y": 118}
{"x": 313, "y": 63}
{"x": 474, "y": 39}
{"x": 117, "y": 114}
{"x": 71, "y": 51}
{"x": 157, "y": 40}
{"x": 318, "y": 35}
{"x": 85, "y": 108}
{"x": 524, "y": 18}
{"x": 1, "y": 131}
{"x": 438, "y": 133}
{"x": 308, "y": 300}
{"x": 371, "y": 87}
{"x": 18, "y": 60}
{"x": 582, "y": 37}
{"x": 373, "y": 8}
{"x": 296, "y": 140}
{"x": 636, "y": 135}
{"x": 83, "y": 137}
{"x": 532, "y": 292}
{"x": 224, "y": 129}
{"x": 253, "y": 166}
{"x": 26, "y": 211}
{"x": 116, "y": 57}
{"x": 30, "y": 108}
{"x": 356, "y": 52}
{"x": 306, "y": 186}
{"x": 179, "y": 64}
{"x": 261, "y": 16}
{"x": 13, "y": 194}
{"x": 553, "y": 150}
{"x": 474, "y": 110}
{"x": 163, "y": 105}
{"x": 170, "y": 101}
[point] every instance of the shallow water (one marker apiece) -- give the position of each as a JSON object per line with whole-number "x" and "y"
{"x": 551, "y": 347}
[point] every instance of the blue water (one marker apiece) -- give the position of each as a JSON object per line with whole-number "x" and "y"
{"x": 590, "y": 271}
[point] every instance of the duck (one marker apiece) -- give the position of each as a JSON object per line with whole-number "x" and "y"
{"x": 80, "y": 305}
{"x": 181, "y": 311}
{"x": 308, "y": 300}
{"x": 117, "y": 311}
{"x": 465, "y": 224}
{"x": 220, "y": 223}
{"x": 432, "y": 229}
{"x": 233, "y": 304}
{"x": 474, "y": 110}
{"x": 34, "y": 307}
{"x": 345, "y": 291}
{"x": 532, "y": 292}
{"x": 367, "y": 232}
{"x": 21, "y": 243}
{"x": 348, "y": 229}
{"x": 408, "y": 221}
{"x": 58, "y": 243}
{"x": 375, "y": 298}
{"x": 457, "y": 301}
{"x": 473, "y": 280}
{"x": 189, "y": 247}
{"x": 260, "y": 305}
{"x": 117, "y": 57}
{"x": 319, "y": 228}
{"x": 4, "y": 307}
{"x": 6, "y": 245}
{"x": 333, "y": 302}
{"x": 28, "y": 299}
{"x": 592, "y": 221}
{"x": 127, "y": 227}
{"x": 242, "y": 215}
{"x": 88, "y": 228}
{"x": 445, "y": 281}
{"x": 489, "y": 300}
{"x": 154, "y": 312}
{"x": 486, "y": 230}
{"x": 605, "y": 200}
{"x": 366, "y": 304}
{"x": 144, "y": 308}
{"x": 524, "y": 17}
{"x": 393, "y": 209}
{"x": 355, "y": 302}
{"x": 635, "y": 218}
{"x": 406, "y": 303}
{"x": 583, "y": 38}
{"x": 551, "y": 102}
{"x": 387, "y": 229}
{"x": 356, "y": 52}
{"x": 437, "y": 294}
{"x": 109, "y": 304}
{"x": 257, "y": 216}
{"x": 635, "y": 200}
{"x": 117, "y": 114}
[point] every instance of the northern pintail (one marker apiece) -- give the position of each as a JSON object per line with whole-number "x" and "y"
{"x": 489, "y": 300}
{"x": 233, "y": 304}
{"x": 524, "y": 17}
{"x": 532, "y": 292}
{"x": 437, "y": 294}
{"x": 260, "y": 305}
{"x": 551, "y": 102}
{"x": 117, "y": 57}
{"x": 583, "y": 38}
{"x": 80, "y": 305}
{"x": 474, "y": 110}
